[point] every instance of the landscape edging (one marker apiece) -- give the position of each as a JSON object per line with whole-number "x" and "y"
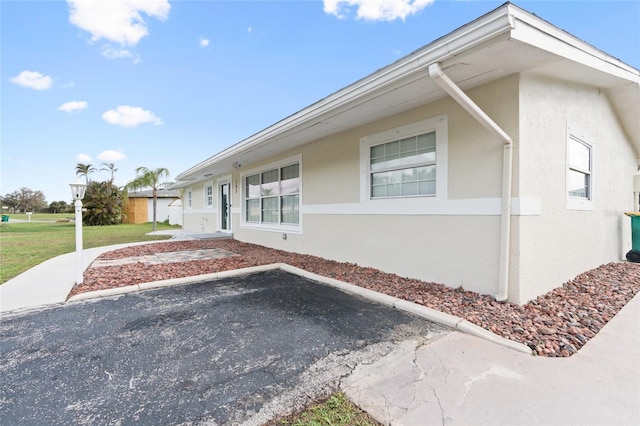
{"x": 442, "y": 318}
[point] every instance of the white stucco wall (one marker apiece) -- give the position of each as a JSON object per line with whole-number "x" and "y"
{"x": 201, "y": 217}
{"x": 561, "y": 243}
{"x": 162, "y": 209}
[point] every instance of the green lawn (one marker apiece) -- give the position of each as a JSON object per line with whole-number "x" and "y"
{"x": 24, "y": 245}
{"x": 336, "y": 411}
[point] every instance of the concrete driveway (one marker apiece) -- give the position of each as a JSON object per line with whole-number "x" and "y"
{"x": 233, "y": 351}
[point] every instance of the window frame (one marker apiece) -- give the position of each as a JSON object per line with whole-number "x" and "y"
{"x": 436, "y": 124}
{"x": 575, "y": 135}
{"x": 208, "y": 198}
{"x": 272, "y": 226}
{"x": 189, "y": 198}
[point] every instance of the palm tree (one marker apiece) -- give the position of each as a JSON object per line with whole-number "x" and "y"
{"x": 85, "y": 170}
{"x": 109, "y": 167}
{"x": 147, "y": 178}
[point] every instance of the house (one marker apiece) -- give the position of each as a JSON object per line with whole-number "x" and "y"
{"x": 139, "y": 207}
{"x": 499, "y": 158}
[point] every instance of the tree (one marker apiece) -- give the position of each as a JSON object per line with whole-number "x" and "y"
{"x": 147, "y": 178}
{"x": 103, "y": 204}
{"x": 85, "y": 170}
{"x": 25, "y": 199}
{"x": 11, "y": 201}
{"x": 109, "y": 167}
{"x": 60, "y": 207}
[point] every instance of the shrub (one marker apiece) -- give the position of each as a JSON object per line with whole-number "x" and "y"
{"x": 103, "y": 202}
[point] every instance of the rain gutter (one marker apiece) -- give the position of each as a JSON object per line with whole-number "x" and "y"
{"x": 439, "y": 77}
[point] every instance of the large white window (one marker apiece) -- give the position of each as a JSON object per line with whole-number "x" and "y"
{"x": 405, "y": 162}
{"x": 579, "y": 171}
{"x": 208, "y": 195}
{"x": 404, "y": 167}
{"x": 272, "y": 196}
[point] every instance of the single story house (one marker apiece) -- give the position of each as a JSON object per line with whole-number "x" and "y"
{"x": 499, "y": 158}
{"x": 139, "y": 207}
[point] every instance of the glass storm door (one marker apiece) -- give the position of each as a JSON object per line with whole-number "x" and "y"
{"x": 225, "y": 207}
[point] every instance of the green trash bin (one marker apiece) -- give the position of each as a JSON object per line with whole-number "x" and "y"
{"x": 635, "y": 231}
{"x": 5, "y": 218}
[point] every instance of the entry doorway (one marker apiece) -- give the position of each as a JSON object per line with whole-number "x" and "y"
{"x": 224, "y": 206}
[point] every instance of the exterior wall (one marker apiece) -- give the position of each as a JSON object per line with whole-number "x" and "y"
{"x": 162, "y": 209}
{"x": 200, "y": 217}
{"x": 175, "y": 212}
{"x": 452, "y": 238}
{"x": 560, "y": 243}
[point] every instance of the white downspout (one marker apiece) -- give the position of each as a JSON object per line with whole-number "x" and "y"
{"x": 436, "y": 73}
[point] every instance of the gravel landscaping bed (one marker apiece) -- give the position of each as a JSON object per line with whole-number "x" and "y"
{"x": 556, "y": 324}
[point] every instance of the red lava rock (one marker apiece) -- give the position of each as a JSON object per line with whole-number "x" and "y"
{"x": 574, "y": 312}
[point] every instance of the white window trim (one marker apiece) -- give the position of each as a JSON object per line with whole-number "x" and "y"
{"x": 213, "y": 194}
{"x": 575, "y": 203}
{"x": 437, "y": 124}
{"x": 189, "y": 198}
{"x": 291, "y": 229}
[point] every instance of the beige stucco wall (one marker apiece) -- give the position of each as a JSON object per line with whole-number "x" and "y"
{"x": 560, "y": 243}
{"x": 549, "y": 245}
{"x": 199, "y": 218}
{"x": 454, "y": 249}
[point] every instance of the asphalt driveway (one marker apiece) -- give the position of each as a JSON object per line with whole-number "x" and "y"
{"x": 222, "y": 352}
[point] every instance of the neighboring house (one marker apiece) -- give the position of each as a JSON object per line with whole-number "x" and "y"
{"x": 139, "y": 208}
{"x": 499, "y": 158}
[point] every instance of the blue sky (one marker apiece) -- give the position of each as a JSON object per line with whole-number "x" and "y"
{"x": 167, "y": 84}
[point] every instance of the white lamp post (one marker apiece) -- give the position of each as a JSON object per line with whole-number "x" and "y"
{"x": 77, "y": 192}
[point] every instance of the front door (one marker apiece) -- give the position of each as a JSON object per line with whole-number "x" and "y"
{"x": 225, "y": 206}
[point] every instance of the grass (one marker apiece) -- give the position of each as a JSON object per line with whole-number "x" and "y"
{"x": 336, "y": 411}
{"x": 24, "y": 245}
{"x": 40, "y": 216}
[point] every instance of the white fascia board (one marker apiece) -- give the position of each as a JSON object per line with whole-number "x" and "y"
{"x": 494, "y": 24}
{"x": 539, "y": 33}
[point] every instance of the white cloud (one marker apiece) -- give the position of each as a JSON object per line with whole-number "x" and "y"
{"x": 115, "y": 53}
{"x": 73, "y": 106}
{"x": 117, "y": 21}
{"x": 203, "y": 42}
{"x": 375, "y": 10}
{"x": 128, "y": 116}
{"x": 33, "y": 80}
{"x": 111, "y": 156}
{"x": 83, "y": 158}
{"x": 250, "y": 30}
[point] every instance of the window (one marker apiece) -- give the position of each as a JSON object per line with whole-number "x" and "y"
{"x": 272, "y": 197}
{"x": 405, "y": 162}
{"x": 208, "y": 194}
{"x": 579, "y": 172}
{"x": 189, "y": 198}
{"x": 404, "y": 168}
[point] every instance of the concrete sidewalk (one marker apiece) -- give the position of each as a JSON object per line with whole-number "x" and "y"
{"x": 459, "y": 379}
{"x": 51, "y": 281}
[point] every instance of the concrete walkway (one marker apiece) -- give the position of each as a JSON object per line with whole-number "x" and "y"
{"x": 51, "y": 281}
{"x": 461, "y": 379}
{"x": 455, "y": 378}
